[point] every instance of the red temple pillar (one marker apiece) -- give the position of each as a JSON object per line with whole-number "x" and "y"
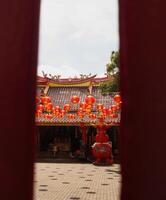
{"x": 143, "y": 86}
{"x": 84, "y": 134}
{"x": 18, "y": 56}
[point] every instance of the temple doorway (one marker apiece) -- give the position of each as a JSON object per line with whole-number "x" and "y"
{"x": 67, "y": 142}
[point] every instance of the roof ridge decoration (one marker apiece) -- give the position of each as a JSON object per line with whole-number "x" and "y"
{"x": 57, "y": 78}
{"x": 82, "y": 80}
{"x": 84, "y": 76}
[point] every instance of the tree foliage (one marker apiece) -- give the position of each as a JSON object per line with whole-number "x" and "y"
{"x": 113, "y": 73}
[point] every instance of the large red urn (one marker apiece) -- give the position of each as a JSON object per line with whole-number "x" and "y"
{"x": 102, "y": 149}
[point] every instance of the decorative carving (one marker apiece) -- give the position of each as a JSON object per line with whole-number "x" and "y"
{"x": 84, "y": 76}
{"x": 58, "y": 77}
{"x": 55, "y": 77}
{"x": 44, "y": 74}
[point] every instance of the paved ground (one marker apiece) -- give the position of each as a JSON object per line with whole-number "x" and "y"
{"x": 57, "y": 181}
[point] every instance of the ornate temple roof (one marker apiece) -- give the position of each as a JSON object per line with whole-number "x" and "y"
{"x": 83, "y": 80}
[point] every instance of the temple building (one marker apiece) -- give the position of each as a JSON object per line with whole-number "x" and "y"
{"x": 72, "y": 135}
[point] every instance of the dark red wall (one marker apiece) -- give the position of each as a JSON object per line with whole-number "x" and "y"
{"x": 143, "y": 86}
{"x": 18, "y": 61}
{"x": 143, "y": 76}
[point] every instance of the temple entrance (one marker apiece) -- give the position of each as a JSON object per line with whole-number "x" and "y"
{"x": 58, "y": 141}
{"x": 67, "y": 142}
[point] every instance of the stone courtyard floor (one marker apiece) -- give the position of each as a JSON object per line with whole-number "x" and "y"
{"x": 58, "y": 181}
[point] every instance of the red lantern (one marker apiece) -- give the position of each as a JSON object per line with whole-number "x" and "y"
{"x": 56, "y": 110}
{"x": 83, "y": 105}
{"x": 66, "y": 107}
{"x": 110, "y": 111}
{"x": 114, "y": 116}
{"x": 105, "y": 111}
{"x": 99, "y": 106}
{"x": 92, "y": 116}
{"x": 45, "y": 100}
{"x": 88, "y": 110}
{"x": 119, "y": 105}
{"x": 101, "y": 118}
{"x": 90, "y": 100}
{"x": 80, "y": 110}
{"x": 48, "y": 116}
{"x": 40, "y": 107}
{"x": 117, "y": 98}
{"x": 38, "y": 113}
{"x": 49, "y": 106}
{"x": 71, "y": 116}
{"x": 114, "y": 108}
{"x": 61, "y": 113}
{"x": 75, "y": 99}
{"x": 80, "y": 115}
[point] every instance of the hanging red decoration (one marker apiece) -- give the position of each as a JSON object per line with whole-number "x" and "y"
{"x": 56, "y": 110}
{"x": 45, "y": 100}
{"x": 110, "y": 111}
{"x": 66, "y": 107}
{"x": 105, "y": 111}
{"x": 114, "y": 116}
{"x": 75, "y": 99}
{"x": 102, "y": 117}
{"x": 71, "y": 116}
{"x": 117, "y": 98}
{"x": 48, "y": 116}
{"x": 38, "y": 113}
{"x": 49, "y": 106}
{"x": 80, "y": 115}
{"x": 101, "y": 120}
{"x": 80, "y": 110}
{"x": 92, "y": 116}
{"x": 99, "y": 106}
{"x": 119, "y": 105}
{"x": 83, "y": 105}
{"x": 61, "y": 113}
{"x": 90, "y": 100}
{"x": 88, "y": 110}
{"x": 40, "y": 107}
{"x": 113, "y": 108}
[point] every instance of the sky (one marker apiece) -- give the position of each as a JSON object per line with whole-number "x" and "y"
{"x": 77, "y": 36}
